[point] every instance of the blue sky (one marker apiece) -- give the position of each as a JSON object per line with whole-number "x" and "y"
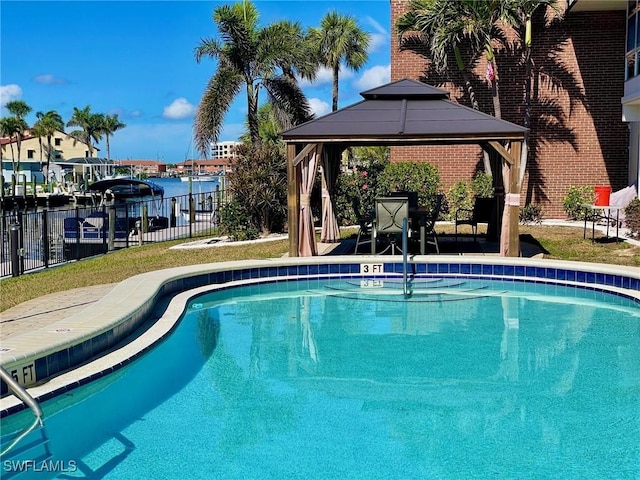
{"x": 135, "y": 58}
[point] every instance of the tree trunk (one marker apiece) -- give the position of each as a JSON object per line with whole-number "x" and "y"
{"x": 336, "y": 71}
{"x": 474, "y": 103}
{"x": 524, "y": 154}
{"x": 252, "y": 114}
{"x": 495, "y": 92}
{"x": 48, "y": 155}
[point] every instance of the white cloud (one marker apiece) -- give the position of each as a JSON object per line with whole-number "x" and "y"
{"x": 49, "y": 79}
{"x": 9, "y": 93}
{"x": 379, "y": 39}
{"x": 319, "y": 107}
{"x": 179, "y": 109}
{"x": 324, "y": 76}
{"x": 374, "y": 77}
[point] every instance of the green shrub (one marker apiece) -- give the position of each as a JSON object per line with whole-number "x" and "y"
{"x": 632, "y": 217}
{"x": 482, "y": 185}
{"x": 463, "y": 193}
{"x": 459, "y": 197}
{"x": 531, "y": 213}
{"x": 357, "y": 190}
{"x": 258, "y": 180}
{"x": 236, "y": 221}
{"x": 577, "y": 196}
{"x": 419, "y": 177}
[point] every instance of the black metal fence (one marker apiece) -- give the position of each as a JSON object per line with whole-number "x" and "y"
{"x": 32, "y": 240}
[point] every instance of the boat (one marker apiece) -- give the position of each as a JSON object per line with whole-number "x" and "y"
{"x": 126, "y": 187}
{"x": 201, "y": 177}
{"x": 200, "y": 215}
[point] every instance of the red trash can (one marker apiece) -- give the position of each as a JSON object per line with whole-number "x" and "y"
{"x": 602, "y": 195}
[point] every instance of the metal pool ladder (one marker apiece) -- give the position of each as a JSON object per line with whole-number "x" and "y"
{"x": 405, "y": 247}
{"x": 23, "y": 395}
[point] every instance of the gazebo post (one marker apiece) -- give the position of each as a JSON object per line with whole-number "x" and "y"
{"x": 514, "y": 203}
{"x": 293, "y": 201}
{"x": 512, "y": 199}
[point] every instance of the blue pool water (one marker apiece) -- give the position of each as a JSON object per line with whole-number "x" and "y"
{"x": 344, "y": 379}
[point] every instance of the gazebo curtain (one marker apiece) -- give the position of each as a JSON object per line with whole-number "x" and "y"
{"x": 307, "y": 238}
{"x": 506, "y": 214}
{"x": 330, "y": 170}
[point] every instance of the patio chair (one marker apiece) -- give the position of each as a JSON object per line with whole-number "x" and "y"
{"x": 480, "y": 213}
{"x": 621, "y": 199}
{"x": 431, "y": 237}
{"x": 390, "y": 213}
{"x": 364, "y": 231}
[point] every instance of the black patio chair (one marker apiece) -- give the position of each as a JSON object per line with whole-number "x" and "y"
{"x": 480, "y": 213}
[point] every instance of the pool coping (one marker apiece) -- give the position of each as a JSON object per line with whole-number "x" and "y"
{"x": 96, "y": 336}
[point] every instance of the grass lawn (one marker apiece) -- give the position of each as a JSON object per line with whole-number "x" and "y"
{"x": 563, "y": 243}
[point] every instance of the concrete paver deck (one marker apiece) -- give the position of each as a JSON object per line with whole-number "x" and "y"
{"x": 48, "y": 309}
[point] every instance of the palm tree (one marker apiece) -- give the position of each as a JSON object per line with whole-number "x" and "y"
{"x": 440, "y": 25}
{"x": 91, "y": 125}
{"x": 111, "y": 125}
{"x": 473, "y": 24}
{"x": 525, "y": 10}
{"x": 19, "y": 109}
{"x": 269, "y": 126}
{"x": 6, "y": 131}
{"x": 12, "y": 126}
{"x": 47, "y": 125}
{"x": 256, "y": 58}
{"x": 339, "y": 40}
{"x": 36, "y": 131}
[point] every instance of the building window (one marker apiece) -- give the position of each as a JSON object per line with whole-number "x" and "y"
{"x": 58, "y": 142}
{"x": 633, "y": 39}
{"x": 31, "y": 154}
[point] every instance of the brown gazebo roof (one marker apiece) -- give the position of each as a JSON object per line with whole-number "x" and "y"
{"x": 404, "y": 112}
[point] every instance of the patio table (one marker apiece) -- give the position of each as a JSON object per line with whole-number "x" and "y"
{"x": 593, "y": 208}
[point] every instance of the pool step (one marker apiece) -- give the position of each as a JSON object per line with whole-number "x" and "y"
{"x": 28, "y": 457}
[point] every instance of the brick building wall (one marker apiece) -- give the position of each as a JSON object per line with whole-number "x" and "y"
{"x": 577, "y": 133}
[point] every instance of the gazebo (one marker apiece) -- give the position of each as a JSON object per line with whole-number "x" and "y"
{"x": 401, "y": 113}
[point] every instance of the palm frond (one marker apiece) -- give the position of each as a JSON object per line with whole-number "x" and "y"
{"x": 222, "y": 88}
{"x": 286, "y": 97}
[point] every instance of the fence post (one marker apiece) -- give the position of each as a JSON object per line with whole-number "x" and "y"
{"x": 145, "y": 218}
{"x": 45, "y": 238}
{"x": 21, "y": 239}
{"x": 104, "y": 232}
{"x": 77, "y": 233}
{"x": 172, "y": 214}
{"x": 13, "y": 246}
{"x": 192, "y": 214}
{"x": 112, "y": 228}
{"x": 126, "y": 218}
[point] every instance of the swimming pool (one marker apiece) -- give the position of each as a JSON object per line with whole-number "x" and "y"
{"x": 342, "y": 377}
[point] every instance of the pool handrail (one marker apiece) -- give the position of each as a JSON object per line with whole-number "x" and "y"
{"x": 31, "y": 402}
{"x": 405, "y": 247}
